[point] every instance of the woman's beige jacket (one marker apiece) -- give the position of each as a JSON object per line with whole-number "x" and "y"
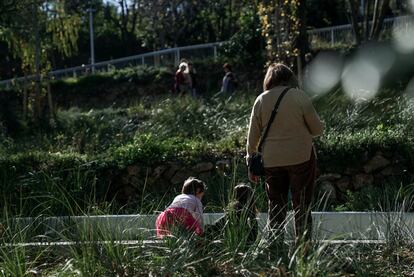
{"x": 289, "y": 140}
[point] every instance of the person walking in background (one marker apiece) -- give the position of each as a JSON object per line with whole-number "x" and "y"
{"x": 185, "y": 213}
{"x": 308, "y": 58}
{"x": 288, "y": 153}
{"x": 181, "y": 82}
{"x": 230, "y": 81}
{"x": 306, "y": 72}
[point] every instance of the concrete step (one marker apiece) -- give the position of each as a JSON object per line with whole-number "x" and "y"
{"x": 326, "y": 226}
{"x": 158, "y": 242}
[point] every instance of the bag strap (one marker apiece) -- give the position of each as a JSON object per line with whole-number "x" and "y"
{"x": 272, "y": 117}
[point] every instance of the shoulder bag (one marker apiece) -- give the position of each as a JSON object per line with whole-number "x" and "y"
{"x": 255, "y": 164}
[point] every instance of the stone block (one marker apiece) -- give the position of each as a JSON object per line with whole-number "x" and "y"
{"x": 329, "y": 177}
{"x": 362, "y": 180}
{"x": 327, "y": 189}
{"x": 344, "y": 184}
{"x": 377, "y": 162}
{"x": 133, "y": 170}
{"x": 203, "y": 176}
{"x": 223, "y": 165}
{"x": 181, "y": 176}
{"x": 159, "y": 171}
{"x": 202, "y": 167}
{"x": 350, "y": 171}
{"x": 171, "y": 171}
{"x": 125, "y": 179}
{"x": 393, "y": 171}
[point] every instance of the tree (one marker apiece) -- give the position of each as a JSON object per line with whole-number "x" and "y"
{"x": 32, "y": 29}
{"x": 284, "y": 29}
{"x": 323, "y": 13}
{"x": 367, "y": 22}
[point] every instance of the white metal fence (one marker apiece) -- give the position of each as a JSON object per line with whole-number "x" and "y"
{"x": 157, "y": 58}
{"x": 328, "y": 35}
{"x": 343, "y": 34}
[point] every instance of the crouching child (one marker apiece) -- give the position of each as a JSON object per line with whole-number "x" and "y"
{"x": 185, "y": 213}
{"x": 239, "y": 219}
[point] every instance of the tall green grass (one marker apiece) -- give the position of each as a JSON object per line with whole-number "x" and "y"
{"x": 98, "y": 251}
{"x": 38, "y": 163}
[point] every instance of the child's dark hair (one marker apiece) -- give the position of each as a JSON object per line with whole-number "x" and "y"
{"x": 243, "y": 197}
{"x": 193, "y": 186}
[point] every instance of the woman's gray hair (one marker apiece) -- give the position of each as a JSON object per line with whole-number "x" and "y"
{"x": 279, "y": 74}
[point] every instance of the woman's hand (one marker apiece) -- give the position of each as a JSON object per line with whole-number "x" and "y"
{"x": 253, "y": 178}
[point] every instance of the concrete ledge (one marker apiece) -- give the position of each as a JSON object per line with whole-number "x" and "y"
{"x": 157, "y": 242}
{"x": 326, "y": 226}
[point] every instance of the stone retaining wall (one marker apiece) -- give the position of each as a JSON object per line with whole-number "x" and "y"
{"x": 381, "y": 168}
{"x": 378, "y": 169}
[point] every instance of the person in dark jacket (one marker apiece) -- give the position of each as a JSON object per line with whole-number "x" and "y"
{"x": 230, "y": 81}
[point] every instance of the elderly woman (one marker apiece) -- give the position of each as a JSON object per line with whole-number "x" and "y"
{"x": 288, "y": 153}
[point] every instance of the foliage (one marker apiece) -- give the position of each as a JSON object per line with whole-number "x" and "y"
{"x": 281, "y": 27}
{"x": 141, "y": 75}
{"x": 322, "y": 13}
{"x": 99, "y": 249}
{"x": 188, "y": 130}
{"x": 363, "y": 32}
{"x": 371, "y": 198}
{"x": 243, "y": 45}
{"x": 33, "y": 23}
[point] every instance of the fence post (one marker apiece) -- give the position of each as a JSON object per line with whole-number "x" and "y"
{"x": 177, "y": 57}
{"x": 300, "y": 74}
{"x": 142, "y": 60}
{"x": 25, "y": 98}
{"x": 157, "y": 60}
{"x": 332, "y": 37}
{"x": 215, "y": 52}
{"x": 49, "y": 99}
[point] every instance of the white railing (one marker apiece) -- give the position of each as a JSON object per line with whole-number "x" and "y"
{"x": 328, "y": 35}
{"x": 156, "y": 58}
{"x": 344, "y": 34}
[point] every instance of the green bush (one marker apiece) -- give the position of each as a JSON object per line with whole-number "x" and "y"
{"x": 188, "y": 130}
{"x": 139, "y": 75}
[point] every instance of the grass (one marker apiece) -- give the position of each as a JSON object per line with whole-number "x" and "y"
{"x": 90, "y": 144}
{"x": 193, "y": 256}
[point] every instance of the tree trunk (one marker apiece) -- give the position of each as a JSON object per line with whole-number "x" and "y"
{"x": 230, "y": 27}
{"x": 277, "y": 31}
{"x": 354, "y": 14}
{"x": 374, "y": 17}
{"x": 25, "y": 84}
{"x": 37, "y": 104}
{"x": 377, "y": 28}
{"x": 302, "y": 43}
{"x": 49, "y": 100}
{"x": 366, "y": 19}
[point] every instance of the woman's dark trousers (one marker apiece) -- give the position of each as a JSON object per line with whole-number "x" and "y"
{"x": 300, "y": 179}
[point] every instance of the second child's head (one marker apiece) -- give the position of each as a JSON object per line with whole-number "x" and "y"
{"x": 243, "y": 193}
{"x": 195, "y": 187}
{"x": 244, "y": 198}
